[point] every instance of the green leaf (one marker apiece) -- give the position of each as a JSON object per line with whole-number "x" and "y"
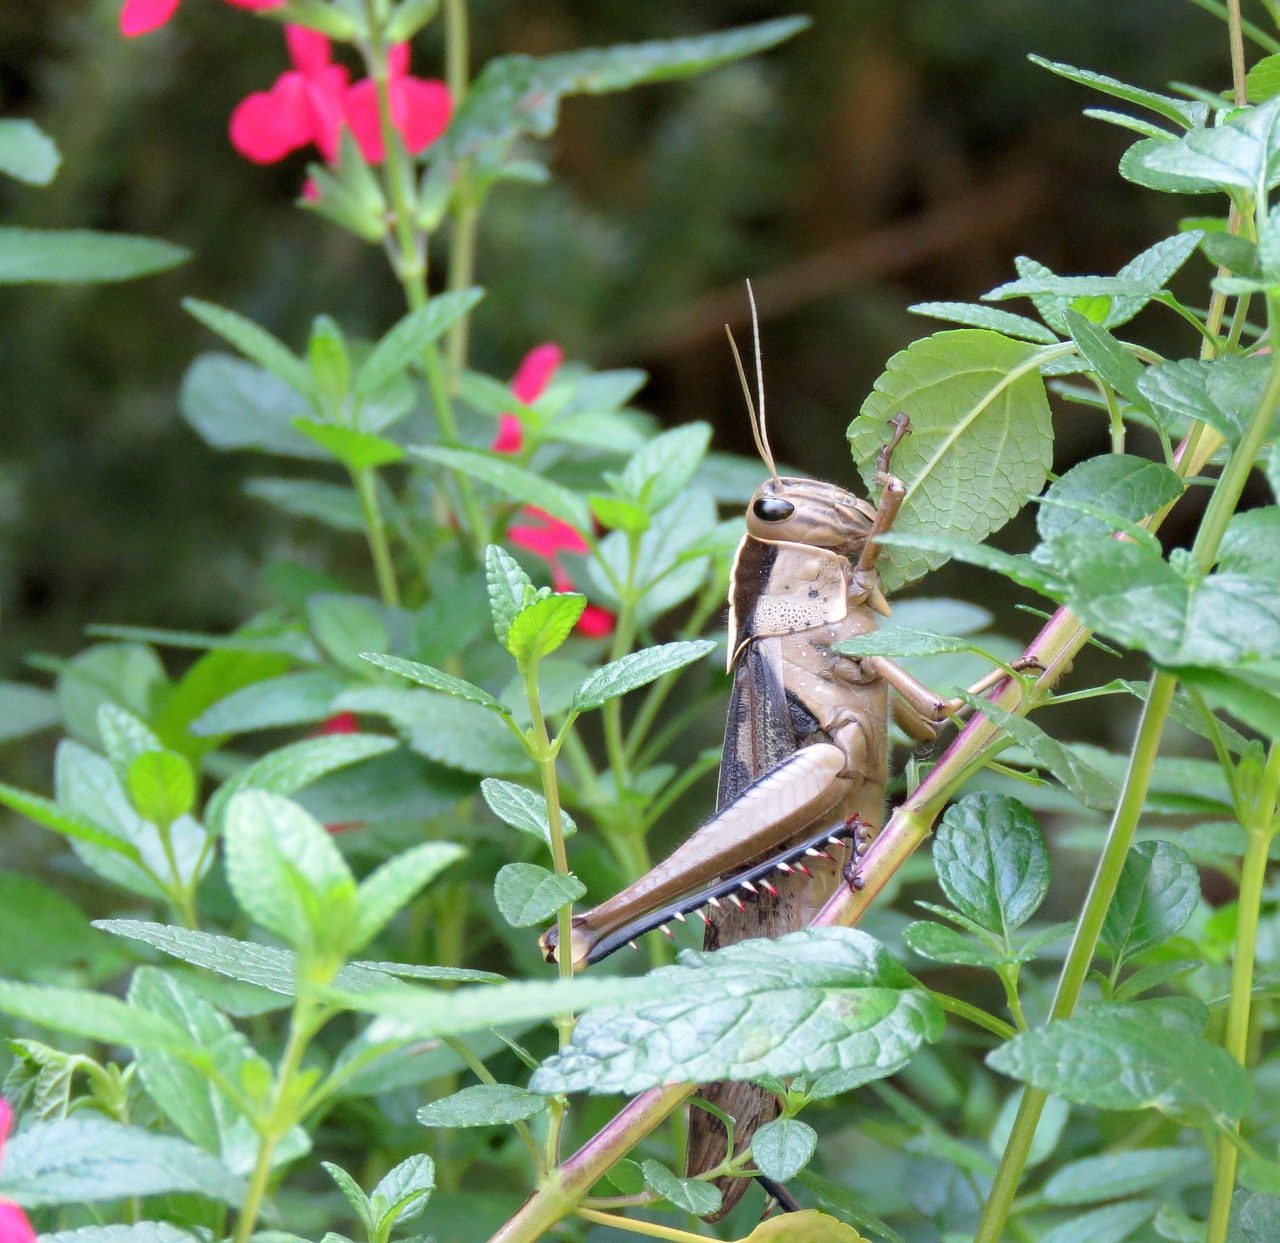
{"x": 81, "y": 256}
{"x": 516, "y": 95}
{"x": 485, "y": 1104}
{"x": 162, "y": 786}
{"x": 40, "y": 929}
{"x": 406, "y": 342}
{"x": 290, "y": 699}
{"x": 1085, "y": 783}
{"x": 1222, "y": 392}
{"x": 1255, "y": 1218}
{"x": 900, "y": 642}
{"x": 1129, "y": 487}
{"x": 991, "y": 861}
{"x": 1249, "y": 543}
{"x": 1263, "y": 79}
{"x": 637, "y": 669}
{"x": 1117, "y": 1174}
{"x": 835, "y": 1196}
{"x": 781, "y": 1149}
{"x": 436, "y": 680}
{"x": 1024, "y": 570}
{"x": 124, "y": 737}
{"x": 254, "y": 342}
{"x": 1107, "y": 357}
{"x": 619, "y": 515}
{"x": 27, "y": 153}
{"x": 1128, "y": 593}
{"x": 139, "y": 1232}
{"x": 941, "y": 943}
{"x": 286, "y": 873}
{"x": 356, "y": 450}
{"x": 1243, "y": 153}
{"x": 981, "y": 437}
{"x": 81, "y": 1160}
{"x": 514, "y": 481}
{"x": 25, "y": 710}
{"x": 689, "y": 1194}
{"x": 391, "y": 886}
{"x": 1257, "y": 706}
{"x": 353, "y": 1194}
{"x": 346, "y": 627}
{"x": 528, "y": 894}
{"x": 95, "y": 1016}
{"x": 523, "y": 809}
{"x": 335, "y": 505}
{"x": 1190, "y": 114}
{"x": 405, "y": 1189}
{"x": 1157, "y": 891}
{"x": 975, "y": 315}
{"x": 450, "y": 731}
{"x": 1117, "y": 1057}
{"x": 233, "y": 404}
{"x": 541, "y": 627}
{"x": 1111, "y": 1224}
{"x": 67, "y": 822}
{"x": 1153, "y": 267}
{"x": 510, "y": 588}
{"x": 809, "y": 1002}
{"x": 659, "y": 472}
{"x": 289, "y": 769}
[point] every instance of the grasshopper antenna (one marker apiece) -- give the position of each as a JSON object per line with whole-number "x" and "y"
{"x": 758, "y": 430}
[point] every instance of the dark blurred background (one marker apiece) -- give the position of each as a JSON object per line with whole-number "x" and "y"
{"x": 893, "y": 153}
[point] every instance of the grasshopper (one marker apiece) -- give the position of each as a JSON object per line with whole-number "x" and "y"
{"x": 806, "y": 749}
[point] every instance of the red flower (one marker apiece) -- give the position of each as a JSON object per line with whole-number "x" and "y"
{"x": 339, "y": 723}
{"x": 14, "y": 1226}
{"x": 420, "y": 108}
{"x": 527, "y": 385}
{"x": 311, "y": 102}
{"x": 137, "y": 17}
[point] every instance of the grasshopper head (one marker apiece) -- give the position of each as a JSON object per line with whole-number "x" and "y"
{"x": 808, "y": 511}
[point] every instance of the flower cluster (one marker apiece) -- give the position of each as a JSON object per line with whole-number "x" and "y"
{"x": 14, "y": 1226}
{"x": 544, "y": 535}
{"x": 137, "y": 17}
{"x": 311, "y": 103}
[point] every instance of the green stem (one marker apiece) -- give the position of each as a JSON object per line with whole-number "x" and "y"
{"x": 366, "y": 482}
{"x": 1238, "y": 1013}
{"x": 976, "y": 1016}
{"x": 651, "y": 1229}
{"x": 466, "y": 211}
{"x": 485, "y": 1075}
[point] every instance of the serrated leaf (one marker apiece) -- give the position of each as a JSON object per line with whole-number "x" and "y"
{"x": 1187, "y": 113}
{"x": 528, "y": 894}
{"x": 1117, "y": 1057}
{"x": 254, "y": 342}
{"x": 1109, "y": 360}
{"x": 1085, "y": 783}
{"x": 699, "y": 1198}
{"x": 1243, "y": 152}
{"x": 523, "y": 809}
{"x": 138, "y": 1232}
{"x": 83, "y": 1159}
{"x": 286, "y": 873}
{"x": 406, "y": 1188}
{"x": 68, "y": 823}
{"x": 541, "y": 627}
{"x": 975, "y": 315}
{"x": 1221, "y": 392}
{"x": 354, "y": 1195}
{"x": 512, "y": 481}
{"x": 1157, "y": 891}
{"x": 1116, "y": 1174}
{"x": 485, "y": 1104}
{"x": 811, "y": 1002}
{"x": 660, "y": 471}
{"x": 162, "y": 786}
{"x": 406, "y": 341}
{"x": 1130, "y": 487}
{"x": 637, "y": 669}
{"x": 124, "y": 737}
{"x": 992, "y": 861}
{"x": 781, "y": 1149}
{"x": 289, "y": 769}
{"x": 1255, "y": 1218}
{"x": 1154, "y": 266}
{"x": 436, "y": 680}
{"x": 981, "y": 439}
{"x": 901, "y": 642}
{"x": 940, "y": 943}
{"x": 389, "y": 887}
{"x": 81, "y": 256}
{"x": 509, "y": 587}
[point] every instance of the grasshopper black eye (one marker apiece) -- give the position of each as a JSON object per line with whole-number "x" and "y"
{"x": 773, "y": 509}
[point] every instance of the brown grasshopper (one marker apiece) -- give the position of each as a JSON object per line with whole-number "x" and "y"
{"x": 806, "y": 748}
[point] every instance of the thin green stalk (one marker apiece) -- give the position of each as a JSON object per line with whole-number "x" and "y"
{"x": 366, "y": 482}
{"x": 648, "y": 1228}
{"x": 1238, "y": 1013}
{"x": 466, "y": 209}
{"x": 975, "y": 1015}
{"x": 485, "y": 1075}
